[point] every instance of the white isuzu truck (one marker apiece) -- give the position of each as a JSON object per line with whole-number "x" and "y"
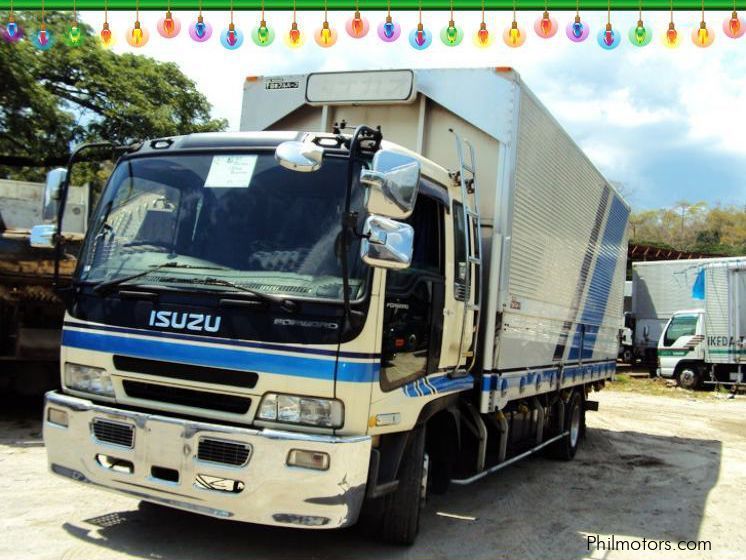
{"x": 660, "y": 289}
{"x": 392, "y": 281}
{"x": 708, "y": 344}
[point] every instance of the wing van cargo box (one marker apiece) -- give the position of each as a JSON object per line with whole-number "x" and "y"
{"x": 553, "y": 228}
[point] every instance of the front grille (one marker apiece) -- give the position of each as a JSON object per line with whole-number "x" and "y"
{"x": 187, "y": 372}
{"x": 113, "y": 433}
{"x": 187, "y": 397}
{"x": 225, "y": 452}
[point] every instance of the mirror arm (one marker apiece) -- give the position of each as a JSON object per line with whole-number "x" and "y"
{"x": 59, "y": 240}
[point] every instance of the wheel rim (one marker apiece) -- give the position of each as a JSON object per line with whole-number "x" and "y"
{"x": 575, "y": 426}
{"x": 687, "y": 378}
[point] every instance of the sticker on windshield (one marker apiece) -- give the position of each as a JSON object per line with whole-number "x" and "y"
{"x": 231, "y": 172}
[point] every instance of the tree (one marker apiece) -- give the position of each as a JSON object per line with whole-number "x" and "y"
{"x": 53, "y": 100}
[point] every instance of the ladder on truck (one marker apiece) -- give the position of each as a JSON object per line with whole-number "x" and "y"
{"x": 467, "y": 177}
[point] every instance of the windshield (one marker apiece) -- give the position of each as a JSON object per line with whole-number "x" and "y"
{"x": 236, "y": 217}
{"x": 681, "y": 325}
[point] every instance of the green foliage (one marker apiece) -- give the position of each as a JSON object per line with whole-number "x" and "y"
{"x": 53, "y": 100}
{"x": 720, "y": 230}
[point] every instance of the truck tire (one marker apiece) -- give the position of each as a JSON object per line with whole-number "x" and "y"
{"x": 689, "y": 376}
{"x": 628, "y": 356}
{"x": 566, "y": 447}
{"x": 401, "y": 515}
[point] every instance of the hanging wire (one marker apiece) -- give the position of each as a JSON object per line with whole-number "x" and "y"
{"x": 577, "y": 8}
{"x": 388, "y": 8}
{"x": 482, "y": 11}
{"x": 231, "y": 12}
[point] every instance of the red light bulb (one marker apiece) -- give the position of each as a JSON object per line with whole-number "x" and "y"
{"x": 483, "y": 35}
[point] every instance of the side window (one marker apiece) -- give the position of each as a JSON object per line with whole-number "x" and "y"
{"x": 414, "y": 303}
{"x": 459, "y": 251}
{"x": 683, "y": 325}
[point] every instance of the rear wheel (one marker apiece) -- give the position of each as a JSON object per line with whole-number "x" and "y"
{"x": 566, "y": 447}
{"x": 401, "y": 511}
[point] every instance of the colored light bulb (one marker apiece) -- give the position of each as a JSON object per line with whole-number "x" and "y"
{"x": 231, "y": 37}
{"x": 11, "y": 29}
{"x": 609, "y": 39}
{"x": 106, "y": 37}
{"x": 420, "y": 38}
{"x": 168, "y": 26}
{"x": 671, "y": 38}
{"x": 357, "y": 26}
{"x": 200, "y": 30}
{"x": 451, "y": 35}
{"x": 703, "y": 37}
{"x": 262, "y": 35}
{"x": 640, "y": 35}
{"x": 514, "y": 36}
{"x": 43, "y": 39}
{"x": 483, "y": 38}
{"x": 12, "y": 32}
{"x": 577, "y": 31}
{"x": 74, "y": 35}
{"x": 734, "y": 26}
{"x": 137, "y": 36}
{"x": 388, "y": 31}
{"x": 294, "y": 33}
{"x": 325, "y": 37}
{"x": 546, "y": 26}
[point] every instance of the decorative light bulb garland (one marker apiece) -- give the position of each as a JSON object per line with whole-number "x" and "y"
{"x": 388, "y": 30}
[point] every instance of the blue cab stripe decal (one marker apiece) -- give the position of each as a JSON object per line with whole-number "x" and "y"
{"x": 212, "y": 356}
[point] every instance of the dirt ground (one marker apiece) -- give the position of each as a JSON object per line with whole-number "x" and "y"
{"x": 652, "y": 467}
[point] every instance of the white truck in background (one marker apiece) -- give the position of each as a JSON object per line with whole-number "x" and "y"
{"x": 660, "y": 289}
{"x": 708, "y": 344}
{"x": 303, "y": 321}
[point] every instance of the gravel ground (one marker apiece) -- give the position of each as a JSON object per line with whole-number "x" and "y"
{"x": 652, "y": 467}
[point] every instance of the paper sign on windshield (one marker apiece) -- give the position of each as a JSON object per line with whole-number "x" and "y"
{"x": 231, "y": 172}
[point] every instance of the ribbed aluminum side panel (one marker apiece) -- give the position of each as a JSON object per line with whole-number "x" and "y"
{"x": 718, "y": 305}
{"x": 561, "y": 210}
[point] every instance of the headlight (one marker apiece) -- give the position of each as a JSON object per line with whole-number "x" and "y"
{"x": 292, "y": 409}
{"x": 88, "y": 379}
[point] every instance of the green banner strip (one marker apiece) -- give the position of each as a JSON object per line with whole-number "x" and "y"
{"x": 396, "y": 5}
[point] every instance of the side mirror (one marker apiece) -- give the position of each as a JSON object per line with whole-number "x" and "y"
{"x": 52, "y": 193}
{"x": 305, "y": 157}
{"x": 392, "y": 184}
{"x": 387, "y": 243}
{"x": 42, "y": 236}
{"x": 646, "y": 332}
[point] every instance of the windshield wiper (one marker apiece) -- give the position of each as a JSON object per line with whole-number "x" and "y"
{"x": 287, "y": 304}
{"x": 106, "y": 285}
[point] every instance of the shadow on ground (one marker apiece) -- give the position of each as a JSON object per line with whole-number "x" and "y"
{"x": 623, "y": 483}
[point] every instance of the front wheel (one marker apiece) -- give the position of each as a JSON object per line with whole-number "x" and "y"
{"x": 401, "y": 511}
{"x": 690, "y": 377}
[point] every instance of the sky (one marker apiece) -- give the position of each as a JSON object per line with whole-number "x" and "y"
{"x": 665, "y": 124}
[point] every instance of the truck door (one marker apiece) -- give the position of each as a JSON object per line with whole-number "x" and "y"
{"x": 413, "y": 306}
{"x": 679, "y": 341}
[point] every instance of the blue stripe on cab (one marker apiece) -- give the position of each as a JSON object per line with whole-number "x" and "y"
{"x": 212, "y": 356}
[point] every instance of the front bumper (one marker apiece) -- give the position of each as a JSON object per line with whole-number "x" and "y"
{"x": 270, "y": 493}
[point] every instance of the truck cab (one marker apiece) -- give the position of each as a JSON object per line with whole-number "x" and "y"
{"x": 680, "y": 348}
